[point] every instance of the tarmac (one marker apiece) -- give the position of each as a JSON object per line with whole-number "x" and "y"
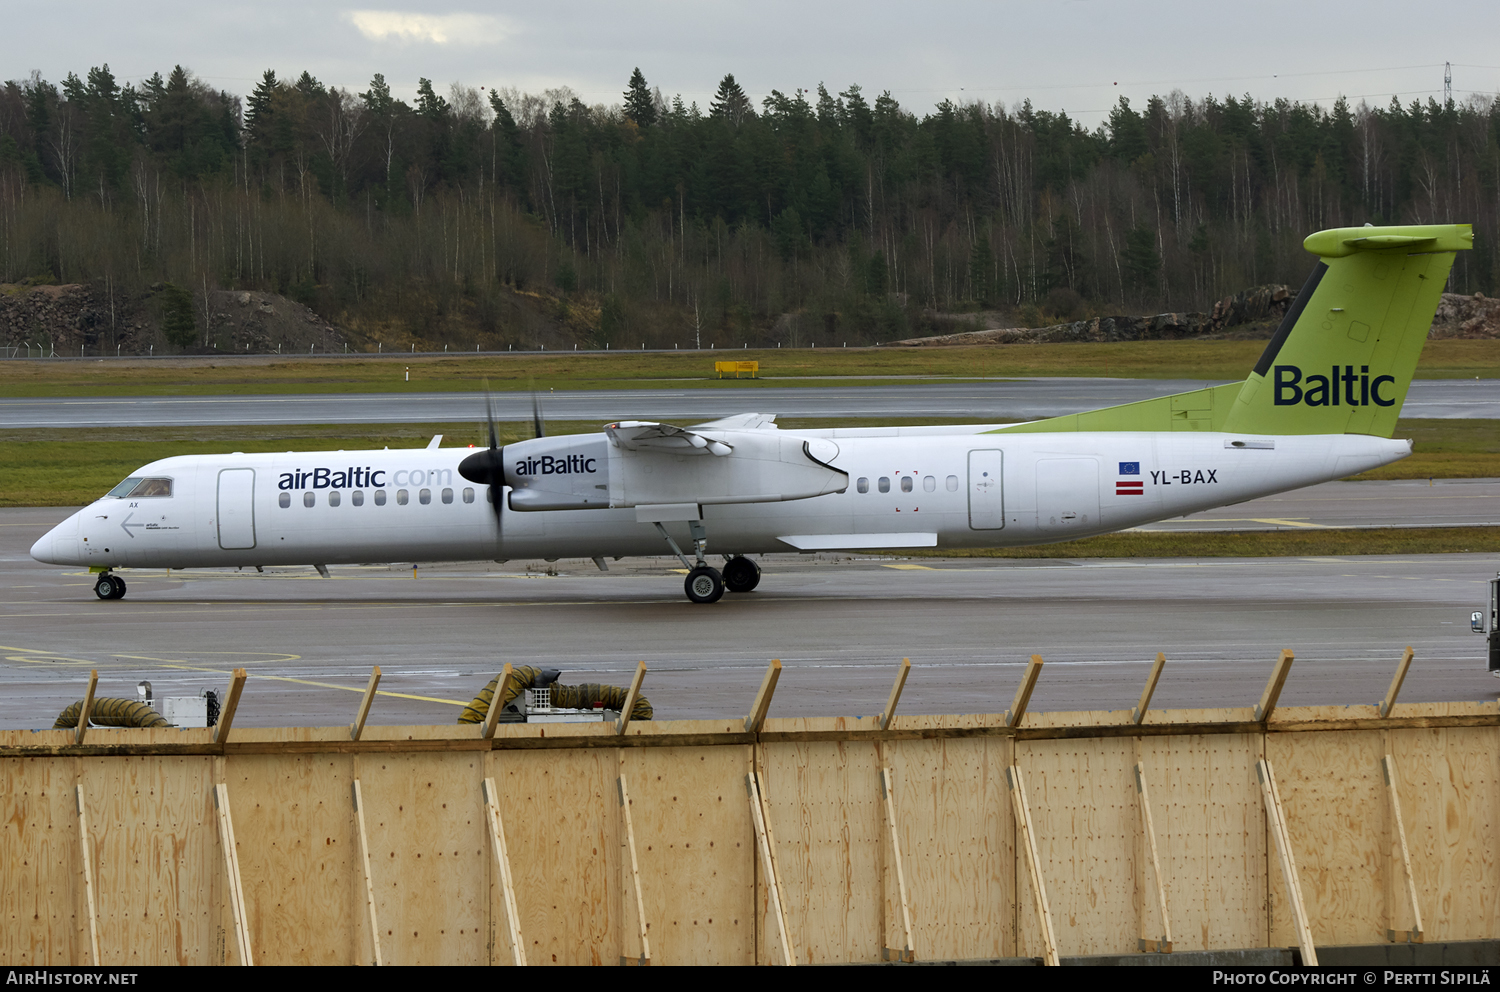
{"x": 840, "y": 624}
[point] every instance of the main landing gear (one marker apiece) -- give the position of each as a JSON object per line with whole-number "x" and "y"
{"x": 704, "y": 583}
{"x": 110, "y": 586}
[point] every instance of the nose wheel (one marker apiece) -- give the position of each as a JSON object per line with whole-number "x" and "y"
{"x": 110, "y": 587}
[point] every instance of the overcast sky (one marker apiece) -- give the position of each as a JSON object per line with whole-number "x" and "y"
{"x": 1077, "y": 55}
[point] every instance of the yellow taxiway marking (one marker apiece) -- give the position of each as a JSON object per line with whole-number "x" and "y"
{"x": 171, "y": 663}
{"x": 911, "y": 568}
{"x": 27, "y": 655}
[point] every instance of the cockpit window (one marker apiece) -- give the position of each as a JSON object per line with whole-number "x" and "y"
{"x": 136, "y": 487}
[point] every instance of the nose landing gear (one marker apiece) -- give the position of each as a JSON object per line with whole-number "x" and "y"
{"x": 110, "y": 586}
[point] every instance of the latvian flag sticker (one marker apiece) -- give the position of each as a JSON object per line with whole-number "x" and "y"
{"x": 1130, "y": 487}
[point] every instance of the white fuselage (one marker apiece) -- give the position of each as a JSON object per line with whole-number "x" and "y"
{"x": 941, "y": 490}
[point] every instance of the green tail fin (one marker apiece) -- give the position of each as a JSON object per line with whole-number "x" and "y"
{"x": 1342, "y": 359}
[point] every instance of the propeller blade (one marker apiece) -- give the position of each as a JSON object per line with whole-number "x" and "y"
{"x": 487, "y": 468}
{"x": 536, "y": 412}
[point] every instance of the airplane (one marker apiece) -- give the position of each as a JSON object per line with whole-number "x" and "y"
{"x": 1320, "y": 404}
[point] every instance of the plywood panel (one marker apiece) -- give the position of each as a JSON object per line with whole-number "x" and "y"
{"x": 562, "y": 831}
{"x": 299, "y": 858}
{"x": 156, "y": 858}
{"x": 429, "y": 856}
{"x": 1212, "y": 837}
{"x": 1082, "y": 801}
{"x": 1450, "y": 798}
{"x": 824, "y": 804}
{"x": 958, "y": 837}
{"x": 697, "y": 852}
{"x": 1332, "y": 791}
{"x": 41, "y": 901}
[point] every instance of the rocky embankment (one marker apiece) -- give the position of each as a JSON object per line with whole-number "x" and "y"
{"x": 1458, "y": 316}
{"x": 1260, "y": 303}
{"x": 46, "y": 320}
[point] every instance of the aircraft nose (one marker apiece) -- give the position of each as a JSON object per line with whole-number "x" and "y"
{"x": 59, "y": 546}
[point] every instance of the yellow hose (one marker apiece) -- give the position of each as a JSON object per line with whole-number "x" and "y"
{"x": 107, "y": 712}
{"x": 580, "y": 697}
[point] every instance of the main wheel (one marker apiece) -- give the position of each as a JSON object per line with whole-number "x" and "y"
{"x": 704, "y": 585}
{"x": 741, "y": 574}
{"x": 109, "y": 587}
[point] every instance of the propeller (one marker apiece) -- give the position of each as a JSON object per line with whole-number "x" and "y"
{"x": 487, "y": 468}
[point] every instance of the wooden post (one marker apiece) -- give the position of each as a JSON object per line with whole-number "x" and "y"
{"x": 364, "y": 860}
{"x": 764, "y": 841}
{"x": 88, "y": 874}
{"x": 1139, "y": 713}
{"x": 635, "y": 870}
{"x": 1388, "y": 766}
{"x": 1023, "y": 692}
{"x": 1033, "y": 860}
{"x": 1389, "y": 703}
{"x": 635, "y": 690}
{"x": 763, "y": 698}
{"x": 232, "y": 874}
{"x": 502, "y": 858}
{"x": 1148, "y": 826}
{"x": 887, "y": 792}
{"x": 231, "y": 702}
{"x": 88, "y": 706}
{"x": 358, "y": 727}
{"x": 1276, "y": 815}
{"x": 492, "y": 716}
{"x": 1267, "y": 703}
{"x": 888, "y": 716}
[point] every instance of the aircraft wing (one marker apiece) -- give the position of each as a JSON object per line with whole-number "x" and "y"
{"x": 644, "y": 463}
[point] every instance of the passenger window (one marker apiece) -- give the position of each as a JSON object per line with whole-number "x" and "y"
{"x": 906, "y": 483}
{"x": 333, "y": 497}
{"x": 885, "y": 484}
{"x": 425, "y": 496}
{"x": 929, "y": 484}
{"x": 309, "y": 498}
{"x": 400, "y": 497}
{"x": 863, "y": 485}
{"x": 489, "y": 494}
{"x": 953, "y": 483}
{"x": 285, "y": 499}
{"x": 447, "y": 495}
{"x": 468, "y": 495}
{"x": 357, "y": 497}
{"x": 380, "y": 497}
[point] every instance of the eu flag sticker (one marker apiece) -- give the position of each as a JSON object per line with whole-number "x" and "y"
{"x": 1130, "y": 468}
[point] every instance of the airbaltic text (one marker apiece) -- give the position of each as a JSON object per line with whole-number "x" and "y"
{"x": 548, "y": 465}
{"x": 356, "y": 477}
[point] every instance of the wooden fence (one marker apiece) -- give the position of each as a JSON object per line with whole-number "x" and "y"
{"x": 756, "y": 840}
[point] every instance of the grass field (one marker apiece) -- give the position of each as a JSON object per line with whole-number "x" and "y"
{"x": 1198, "y": 360}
